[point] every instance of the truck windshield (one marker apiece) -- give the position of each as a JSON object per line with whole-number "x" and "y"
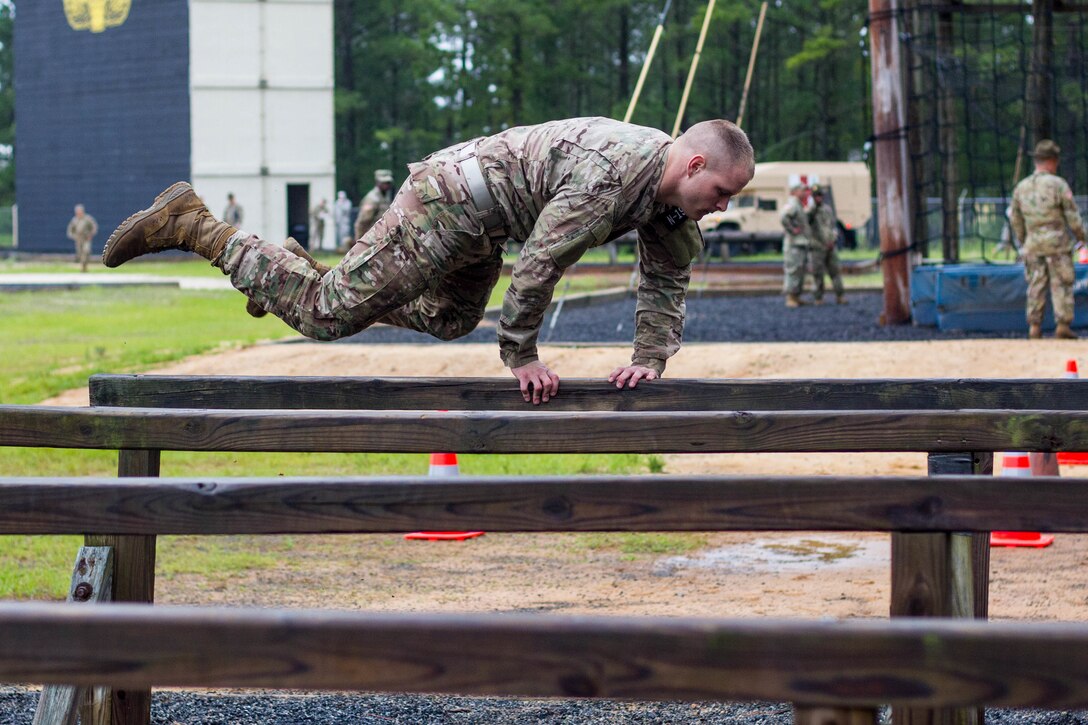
{"x": 743, "y": 202}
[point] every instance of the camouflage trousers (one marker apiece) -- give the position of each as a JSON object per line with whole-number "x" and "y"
{"x": 795, "y": 263}
{"x": 427, "y": 267}
{"x": 1055, "y": 271}
{"x": 825, "y": 260}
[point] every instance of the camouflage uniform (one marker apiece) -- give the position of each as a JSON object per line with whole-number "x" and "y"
{"x": 795, "y": 246}
{"x": 429, "y": 264}
{"x": 824, "y": 256}
{"x": 81, "y": 231}
{"x": 1042, "y": 208}
{"x": 371, "y": 208}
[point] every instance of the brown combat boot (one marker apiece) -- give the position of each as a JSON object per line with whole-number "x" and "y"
{"x": 299, "y": 251}
{"x": 841, "y": 300}
{"x": 1062, "y": 332}
{"x": 177, "y": 219}
{"x": 1035, "y": 332}
{"x": 793, "y": 301}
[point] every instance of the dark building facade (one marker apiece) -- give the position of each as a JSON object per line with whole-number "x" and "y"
{"x": 102, "y": 111}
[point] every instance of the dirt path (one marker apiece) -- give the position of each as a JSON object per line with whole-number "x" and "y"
{"x": 805, "y": 575}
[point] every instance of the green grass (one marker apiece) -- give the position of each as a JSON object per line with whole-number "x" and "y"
{"x": 643, "y": 544}
{"x": 52, "y": 341}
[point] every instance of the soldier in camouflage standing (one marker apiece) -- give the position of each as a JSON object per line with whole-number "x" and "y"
{"x": 795, "y": 244}
{"x": 233, "y": 213}
{"x": 823, "y": 254}
{"x": 1042, "y": 209}
{"x": 431, "y": 261}
{"x": 375, "y": 203}
{"x": 81, "y": 230}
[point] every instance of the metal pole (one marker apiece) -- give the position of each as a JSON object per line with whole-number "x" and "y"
{"x": 892, "y": 159}
{"x": 646, "y": 63}
{"x": 751, "y": 63}
{"x": 691, "y": 71}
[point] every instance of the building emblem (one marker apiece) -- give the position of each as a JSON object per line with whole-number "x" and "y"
{"x": 96, "y": 15}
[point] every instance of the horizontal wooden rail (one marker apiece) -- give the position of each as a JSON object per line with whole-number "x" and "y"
{"x": 496, "y": 394}
{"x": 585, "y": 503}
{"x": 932, "y": 663}
{"x": 542, "y": 431}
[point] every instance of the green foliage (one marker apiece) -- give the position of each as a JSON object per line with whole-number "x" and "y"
{"x": 414, "y": 76}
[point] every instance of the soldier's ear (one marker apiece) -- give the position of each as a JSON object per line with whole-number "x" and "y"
{"x": 696, "y": 164}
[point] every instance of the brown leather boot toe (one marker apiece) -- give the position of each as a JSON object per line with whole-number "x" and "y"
{"x": 177, "y": 219}
{"x": 1062, "y": 332}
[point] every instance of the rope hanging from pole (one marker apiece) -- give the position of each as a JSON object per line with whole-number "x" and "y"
{"x": 751, "y": 64}
{"x": 691, "y": 71}
{"x": 646, "y": 64}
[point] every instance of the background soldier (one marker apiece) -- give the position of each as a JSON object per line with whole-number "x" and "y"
{"x": 795, "y": 244}
{"x": 430, "y": 263}
{"x": 341, "y": 214}
{"x": 233, "y": 213}
{"x": 1042, "y": 208}
{"x": 375, "y": 203}
{"x": 318, "y": 215}
{"x": 823, "y": 254}
{"x": 81, "y": 230}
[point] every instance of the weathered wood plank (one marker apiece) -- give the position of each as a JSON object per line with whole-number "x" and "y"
{"x": 133, "y": 581}
{"x": 541, "y": 431}
{"x": 935, "y": 663}
{"x": 571, "y": 503}
{"x": 499, "y": 394}
{"x": 92, "y": 579}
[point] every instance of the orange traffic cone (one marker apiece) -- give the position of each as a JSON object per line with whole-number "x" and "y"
{"x": 1072, "y": 458}
{"x": 1018, "y": 465}
{"x": 443, "y": 465}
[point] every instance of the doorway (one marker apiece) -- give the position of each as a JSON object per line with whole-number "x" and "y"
{"x": 298, "y": 213}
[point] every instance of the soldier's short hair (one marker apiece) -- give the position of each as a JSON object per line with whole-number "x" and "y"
{"x": 724, "y": 136}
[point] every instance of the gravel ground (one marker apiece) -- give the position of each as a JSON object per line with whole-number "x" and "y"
{"x": 184, "y": 708}
{"x": 710, "y": 319}
{"x": 754, "y": 318}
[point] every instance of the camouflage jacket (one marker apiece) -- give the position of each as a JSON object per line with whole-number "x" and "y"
{"x": 1042, "y": 208}
{"x": 82, "y": 230}
{"x": 562, "y": 188}
{"x": 795, "y": 222}
{"x": 822, "y": 222}
{"x": 371, "y": 208}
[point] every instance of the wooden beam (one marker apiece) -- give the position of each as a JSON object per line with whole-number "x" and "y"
{"x": 542, "y": 431}
{"x": 572, "y": 503}
{"x": 495, "y": 394}
{"x": 840, "y": 664}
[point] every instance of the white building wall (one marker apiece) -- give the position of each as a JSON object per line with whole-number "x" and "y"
{"x": 261, "y": 75}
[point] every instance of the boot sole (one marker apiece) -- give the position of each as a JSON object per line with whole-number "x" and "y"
{"x": 172, "y": 192}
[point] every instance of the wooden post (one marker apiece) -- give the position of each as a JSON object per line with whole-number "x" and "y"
{"x": 942, "y": 575}
{"x": 92, "y": 580}
{"x": 946, "y": 113}
{"x": 1040, "y": 95}
{"x": 892, "y": 159}
{"x": 133, "y": 581}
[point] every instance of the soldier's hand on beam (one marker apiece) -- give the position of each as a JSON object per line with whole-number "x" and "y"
{"x": 538, "y": 383}
{"x": 631, "y": 374}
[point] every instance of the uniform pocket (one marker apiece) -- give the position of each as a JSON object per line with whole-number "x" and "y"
{"x": 569, "y": 248}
